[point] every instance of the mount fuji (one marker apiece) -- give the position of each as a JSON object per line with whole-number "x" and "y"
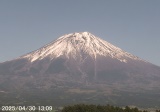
{"x": 79, "y": 68}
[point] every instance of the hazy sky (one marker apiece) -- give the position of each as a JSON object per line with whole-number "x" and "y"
{"x": 133, "y": 25}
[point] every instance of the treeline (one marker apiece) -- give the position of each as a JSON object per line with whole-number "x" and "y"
{"x": 100, "y": 108}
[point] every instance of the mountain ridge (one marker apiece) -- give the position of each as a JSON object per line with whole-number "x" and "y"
{"x": 89, "y": 43}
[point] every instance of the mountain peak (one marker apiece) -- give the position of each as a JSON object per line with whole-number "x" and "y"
{"x": 78, "y": 35}
{"x": 83, "y": 33}
{"x": 75, "y": 44}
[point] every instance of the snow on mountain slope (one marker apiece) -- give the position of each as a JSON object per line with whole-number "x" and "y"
{"x": 75, "y": 44}
{"x": 72, "y": 66}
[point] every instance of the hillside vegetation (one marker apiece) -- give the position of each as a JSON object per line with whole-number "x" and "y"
{"x": 100, "y": 108}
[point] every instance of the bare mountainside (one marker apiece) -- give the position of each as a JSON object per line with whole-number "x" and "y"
{"x": 79, "y": 68}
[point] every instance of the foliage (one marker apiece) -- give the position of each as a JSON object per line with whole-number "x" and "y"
{"x": 99, "y": 108}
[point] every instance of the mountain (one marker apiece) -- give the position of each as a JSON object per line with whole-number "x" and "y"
{"x": 79, "y": 68}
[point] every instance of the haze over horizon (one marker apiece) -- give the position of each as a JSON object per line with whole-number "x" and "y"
{"x": 133, "y": 26}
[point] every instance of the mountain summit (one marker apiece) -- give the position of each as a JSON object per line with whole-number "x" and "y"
{"x": 76, "y": 44}
{"x": 79, "y": 68}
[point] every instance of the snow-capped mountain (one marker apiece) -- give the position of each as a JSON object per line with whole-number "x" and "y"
{"x": 75, "y": 44}
{"x": 76, "y": 65}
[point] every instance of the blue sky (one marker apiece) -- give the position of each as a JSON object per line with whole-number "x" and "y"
{"x": 133, "y": 25}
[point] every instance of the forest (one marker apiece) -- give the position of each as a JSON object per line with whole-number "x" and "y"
{"x": 100, "y": 108}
